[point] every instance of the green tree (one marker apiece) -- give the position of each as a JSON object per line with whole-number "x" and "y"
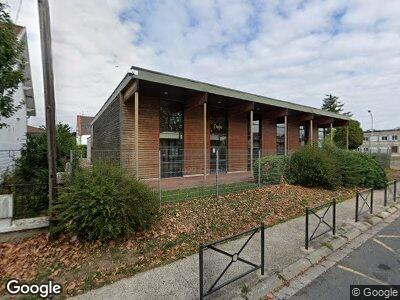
{"x": 32, "y": 165}
{"x": 355, "y": 135}
{"x": 332, "y": 103}
{"x": 12, "y": 65}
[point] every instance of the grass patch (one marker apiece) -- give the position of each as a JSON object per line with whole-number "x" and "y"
{"x": 205, "y": 191}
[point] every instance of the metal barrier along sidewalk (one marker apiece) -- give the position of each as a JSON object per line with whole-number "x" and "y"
{"x": 390, "y": 191}
{"x": 367, "y": 198}
{"x": 321, "y": 220}
{"x": 234, "y": 257}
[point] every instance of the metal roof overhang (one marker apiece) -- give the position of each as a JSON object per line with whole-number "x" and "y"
{"x": 193, "y": 85}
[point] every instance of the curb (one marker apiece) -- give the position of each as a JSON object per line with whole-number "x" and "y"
{"x": 266, "y": 288}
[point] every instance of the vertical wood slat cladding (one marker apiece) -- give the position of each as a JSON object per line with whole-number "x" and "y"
{"x": 268, "y": 139}
{"x": 106, "y": 133}
{"x": 293, "y": 136}
{"x": 127, "y": 119}
{"x": 149, "y": 136}
{"x": 193, "y": 140}
{"x": 237, "y": 142}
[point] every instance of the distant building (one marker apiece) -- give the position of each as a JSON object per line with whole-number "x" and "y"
{"x": 83, "y": 129}
{"x": 382, "y": 141}
{"x": 34, "y": 131}
{"x": 13, "y": 136}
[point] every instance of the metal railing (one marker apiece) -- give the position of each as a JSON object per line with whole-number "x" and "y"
{"x": 390, "y": 192}
{"x": 367, "y": 198}
{"x": 322, "y": 219}
{"x": 29, "y": 199}
{"x": 234, "y": 257}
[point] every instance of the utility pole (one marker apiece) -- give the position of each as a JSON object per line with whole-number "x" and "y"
{"x": 50, "y": 105}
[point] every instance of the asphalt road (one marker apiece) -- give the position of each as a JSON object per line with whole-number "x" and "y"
{"x": 377, "y": 261}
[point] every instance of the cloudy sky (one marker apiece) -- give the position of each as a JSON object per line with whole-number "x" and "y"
{"x": 291, "y": 50}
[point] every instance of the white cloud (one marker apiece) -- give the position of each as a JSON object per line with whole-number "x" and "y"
{"x": 293, "y": 50}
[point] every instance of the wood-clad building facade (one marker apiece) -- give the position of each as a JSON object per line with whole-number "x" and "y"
{"x": 157, "y": 124}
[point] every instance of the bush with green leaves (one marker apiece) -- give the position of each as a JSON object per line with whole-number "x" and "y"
{"x": 312, "y": 166}
{"x": 331, "y": 167}
{"x": 31, "y": 171}
{"x": 272, "y": 169}
{"x": 104, "y": 203}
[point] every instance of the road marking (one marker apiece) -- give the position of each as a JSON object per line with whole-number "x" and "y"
{"x": 361, "y": 274}
{"x": 389, "y": 236}
{"x": 385, "y": 246}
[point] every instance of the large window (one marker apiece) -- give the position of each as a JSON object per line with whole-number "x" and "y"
{"x": 256, "y": 140}
{"x": 280, "y": 139}
{"x": 218, "y": 139}
{"x": 302, "y": 135}
{"x": 171, "y": 138}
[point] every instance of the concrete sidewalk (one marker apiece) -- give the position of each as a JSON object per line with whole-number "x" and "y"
{"x": 284, "y": 245}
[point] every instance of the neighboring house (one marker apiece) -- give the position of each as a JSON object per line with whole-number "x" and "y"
{"x": 185, "y": 122}
{"x": 13, "y": 136}
{"x": 34, "y": 131}
{"x": 382, "y": 141}
{"x": 83, "y": 129}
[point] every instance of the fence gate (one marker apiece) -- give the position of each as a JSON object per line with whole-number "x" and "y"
{"x": 234, "y": 257}
{"x": 321, "y": 220}
{"x": 367, "y": 198}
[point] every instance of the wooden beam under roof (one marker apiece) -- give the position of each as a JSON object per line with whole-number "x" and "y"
{"x": 195, "y": 101}
{"x": 241, "y": 108}
{"x": 131, "y": 89}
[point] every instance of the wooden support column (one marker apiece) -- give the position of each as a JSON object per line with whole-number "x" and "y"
{"x": 311, "y": 138}
{"x": 286, "y": 135}
{"x": 347, "y": 137}
{"x": 251, "y": 142}
{"x": 137, "y": 133}
{"x": 205, "y": 138}
{"x": 331, "y": 133}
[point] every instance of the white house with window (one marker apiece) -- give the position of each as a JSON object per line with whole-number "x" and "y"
{"x": 13, "y": 136}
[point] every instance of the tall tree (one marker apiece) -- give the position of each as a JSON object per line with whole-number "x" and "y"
{"x": 12, "y": 65}
{"x": 332, "y": 103}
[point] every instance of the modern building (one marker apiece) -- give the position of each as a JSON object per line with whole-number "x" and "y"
{"x": 13, "y": 135}
{"x": 83, "y": 129}
{"x": 162, "y": 125}
{"x": 382, "y": 141}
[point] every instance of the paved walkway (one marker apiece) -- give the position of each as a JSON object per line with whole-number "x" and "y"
{"x": 180, "y": 280}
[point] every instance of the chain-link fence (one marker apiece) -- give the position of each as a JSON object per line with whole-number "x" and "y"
{"x": 180, "y": 174}
{"x": 7, "y": 161}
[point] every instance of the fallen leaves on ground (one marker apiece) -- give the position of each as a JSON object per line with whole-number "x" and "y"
{"x": 176, "y": 233}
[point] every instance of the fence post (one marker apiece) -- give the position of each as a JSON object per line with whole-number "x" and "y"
{"x": 259, "y": 168}
{"x": 71, "y": 157}
{"x": 372, "y": 200}
{"x": 159, "y": 176}
{"x": 201, "y": 270}
{"x": 334, "y": 217}
{"x": 306, "y": 234}
{"x": 357, "y": 207}
{"x": 216, "y": 174}
{"x": 385, "y": 197}
{"x": 262, "y": 248}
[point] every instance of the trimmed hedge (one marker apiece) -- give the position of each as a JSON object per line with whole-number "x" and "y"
{"x": 331, "y": 167}
{"x": 272, "y": 169}
{"x": 104, "y": 203}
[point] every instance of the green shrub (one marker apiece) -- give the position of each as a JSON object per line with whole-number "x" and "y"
{"x": 104, "y": 203}
{"x": 312, "y": 166}
{"x": 330, "y": 167}
{"x": 272, "y": 169}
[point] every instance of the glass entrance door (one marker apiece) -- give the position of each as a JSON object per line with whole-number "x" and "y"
{"x": 218, "y": 140}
